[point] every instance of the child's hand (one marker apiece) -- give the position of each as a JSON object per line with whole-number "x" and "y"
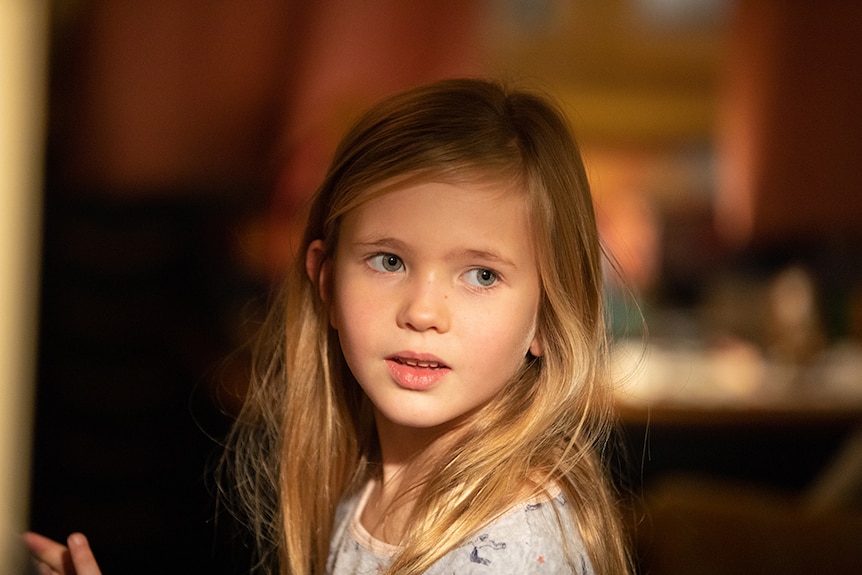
{"x": 54, "y": 558}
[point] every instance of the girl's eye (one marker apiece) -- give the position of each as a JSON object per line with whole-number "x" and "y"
{"x": 482, "y": 277}
{"x": 386, "y": 263}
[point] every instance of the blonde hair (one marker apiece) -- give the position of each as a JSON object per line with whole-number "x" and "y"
{"x": 305, "y": 436}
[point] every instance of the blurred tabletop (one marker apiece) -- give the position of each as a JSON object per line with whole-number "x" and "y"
{"x": 684, "y": 383}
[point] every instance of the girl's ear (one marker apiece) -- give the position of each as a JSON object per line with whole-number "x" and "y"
{"x": 317, "y": 268}
{"x": 537, "y": 346}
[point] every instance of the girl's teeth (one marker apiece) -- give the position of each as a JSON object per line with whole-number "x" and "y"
{"x": 425, "y": 364}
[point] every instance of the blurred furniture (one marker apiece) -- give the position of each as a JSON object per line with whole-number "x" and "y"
{"x": 745, "y": 487}
{"x": 707, "y": 526}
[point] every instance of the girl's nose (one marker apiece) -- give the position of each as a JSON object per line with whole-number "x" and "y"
{"x": 425, "y": 307}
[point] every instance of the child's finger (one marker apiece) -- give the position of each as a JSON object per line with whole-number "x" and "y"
{"x": 82, "y": 556}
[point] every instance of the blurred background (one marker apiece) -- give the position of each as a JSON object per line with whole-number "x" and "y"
{"x": 721, "y": 138}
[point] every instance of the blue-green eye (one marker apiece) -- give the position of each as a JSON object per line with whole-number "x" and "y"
{"x": 386, "y": 263}
{"x": 482, "y": 277}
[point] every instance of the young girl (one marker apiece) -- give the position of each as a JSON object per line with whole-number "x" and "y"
{"x": 432, "y": 394}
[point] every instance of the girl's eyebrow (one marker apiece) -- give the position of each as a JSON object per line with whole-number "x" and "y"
{"x": 491, "y": 256}
{"x": 382, "y": 243}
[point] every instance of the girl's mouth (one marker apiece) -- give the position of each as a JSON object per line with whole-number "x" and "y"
{"x": 416, "y": 373}
{"x": 418, "y": 363}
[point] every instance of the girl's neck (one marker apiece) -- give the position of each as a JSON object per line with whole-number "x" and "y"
{"x": 405, "y": 463}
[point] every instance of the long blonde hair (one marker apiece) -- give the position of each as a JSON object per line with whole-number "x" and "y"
{"x": 305, "y": 436}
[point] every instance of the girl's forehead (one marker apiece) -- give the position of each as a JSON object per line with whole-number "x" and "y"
{"x": 471, "y": 182}
{"x": 468, "y": 182}
{"x": 444, "y": 222}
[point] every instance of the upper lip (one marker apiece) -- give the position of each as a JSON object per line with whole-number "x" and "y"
{"x": 418, "y": 359}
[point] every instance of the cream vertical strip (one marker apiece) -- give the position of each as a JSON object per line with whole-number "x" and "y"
{"x": 23, "y": 52}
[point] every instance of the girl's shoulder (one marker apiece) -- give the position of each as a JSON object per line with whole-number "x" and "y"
{"x": 537, "y": 535}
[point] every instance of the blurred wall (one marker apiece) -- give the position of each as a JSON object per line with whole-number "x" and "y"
{"x": 789, "y": 123}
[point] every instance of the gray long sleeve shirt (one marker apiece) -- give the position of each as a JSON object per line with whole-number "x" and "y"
{"x": 527, "y": 539}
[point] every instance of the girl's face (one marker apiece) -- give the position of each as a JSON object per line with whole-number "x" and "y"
{"x": 435, "y": 295}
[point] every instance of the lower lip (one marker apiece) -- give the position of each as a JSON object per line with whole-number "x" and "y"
{"x": 414, "y": 377}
